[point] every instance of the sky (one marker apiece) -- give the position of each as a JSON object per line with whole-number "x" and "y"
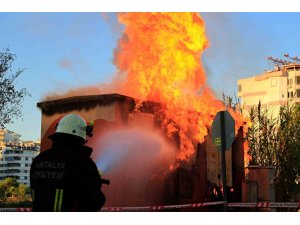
{"x": 60, "y": 51}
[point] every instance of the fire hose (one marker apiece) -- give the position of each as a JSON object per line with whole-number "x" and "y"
{"x": 193, "y": 205}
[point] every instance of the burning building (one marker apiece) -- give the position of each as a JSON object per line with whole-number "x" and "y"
{"x": 127, "y": 146}
{"x": 135, "y": 152}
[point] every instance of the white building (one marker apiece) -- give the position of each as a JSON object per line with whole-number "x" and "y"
{"x": 8, "y": 136}
{"x": 15, "y": 161}
{"x": 2, "y": 136}
{"x": 272, "y": 88}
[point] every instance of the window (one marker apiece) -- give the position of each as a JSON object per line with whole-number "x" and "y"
{"x": 26, "y": 158}
{"x": 26, "y": 164}
{"x": 240, "y": 88}
{"x": 298, "y": 93}
{"x": 289, "y": 83}
{"x": 297, "y": 80}
{"x": 288, "y": 94}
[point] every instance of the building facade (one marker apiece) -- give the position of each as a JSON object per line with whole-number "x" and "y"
{"x": 11, "y": 137}
{"x": 2, "y": 133}
{"x": 15, "y": 161}
{"x": 272, "y": 88}
{"x": 7, "y": 136}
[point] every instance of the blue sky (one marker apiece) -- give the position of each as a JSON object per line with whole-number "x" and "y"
{"x": 67, "y": 50}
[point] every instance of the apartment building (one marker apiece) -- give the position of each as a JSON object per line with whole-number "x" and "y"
{"x": 272, "y": 88}
{"x": 16, "y": 159}
{"x": 2, "y": 133}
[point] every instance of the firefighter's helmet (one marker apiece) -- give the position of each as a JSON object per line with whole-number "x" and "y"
{"x": 72, "y": 124}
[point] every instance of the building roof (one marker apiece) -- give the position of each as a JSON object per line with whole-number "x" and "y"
{"x": 277, "y": 72}
{"x": 80, "y": 102}
{"x": 87, "y": 102}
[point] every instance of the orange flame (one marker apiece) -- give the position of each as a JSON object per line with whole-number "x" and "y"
{"x": 247, "y": 157}
{"x": 161, "y": 54}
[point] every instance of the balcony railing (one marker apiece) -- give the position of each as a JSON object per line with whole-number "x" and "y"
{"x": 9, "y": 165}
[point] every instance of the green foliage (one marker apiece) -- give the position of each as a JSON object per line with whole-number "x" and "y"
{"x": 232, "y": 102}
{"x": 10, "y": 97}
{"x": 262, "y": 136}
{"x": 22, "y": 191}
{"x": 288, "y": 154}
{"x": 9, "y": 188}
{"x": 276, "y": 142}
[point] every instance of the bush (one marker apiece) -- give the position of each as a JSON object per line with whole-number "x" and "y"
{"x": 22, "y": 204}
{"x": 276, "y": 142}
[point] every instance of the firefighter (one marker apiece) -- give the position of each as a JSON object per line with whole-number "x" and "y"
{"x": 64, "y": 177}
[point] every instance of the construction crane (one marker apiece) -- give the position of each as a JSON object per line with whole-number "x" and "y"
{"x": 295, "y": 58}
{"x": 278, "y": 61}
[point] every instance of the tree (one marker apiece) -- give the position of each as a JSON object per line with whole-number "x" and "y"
{"x": 276, "y": 142}
{"x": 287, "y": 154}
{"x": 261, "y": 136}
{"x": 10, "y": 98}
{"x": 7, "y": 188}
{"x": 22, "y": 192}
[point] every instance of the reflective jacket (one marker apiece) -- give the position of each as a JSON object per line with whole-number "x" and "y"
{"x": 65, "y": 179}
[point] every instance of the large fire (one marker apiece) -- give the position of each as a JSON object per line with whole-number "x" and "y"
{"x": 161, "y": 55}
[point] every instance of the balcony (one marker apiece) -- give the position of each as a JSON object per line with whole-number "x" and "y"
{"x": 8, "y": 152}
{"x": 12, "y": 158}
{"x": 13, "y": 165}
{"x": 21, "y": 147}
{"x": 13, "y": 171}
{"x": 7, "y": 176}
